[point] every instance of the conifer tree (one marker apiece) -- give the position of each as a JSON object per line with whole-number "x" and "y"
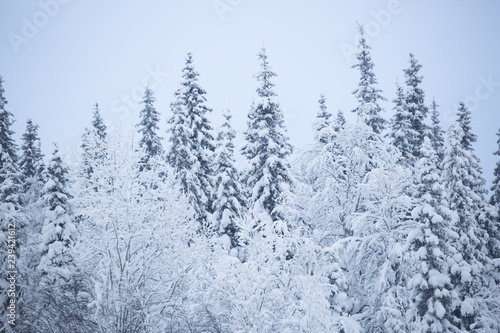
{"x": 339, "y": 122}
{"x": 414, "y": 105}
{"x": 495, "y": 202}
{"x": 58, "y": 232}
{"x": 402, "y": 130}
{"x": 228, "y": 196}
{"x": 437, "y": 133}
{"x": 191, "y": 150}
{"x": 93, "y": 143}
{"x": 322, "y": 124}
{"x": 268, "y": 177}
{"x": 31, "y": 163}
{"x": 98, "y": 123}
{"x": 150, "y": 142}
{"x": 464, "y": 185}
{"x": 367, "y": 93}
{"x": 431, "y": 243}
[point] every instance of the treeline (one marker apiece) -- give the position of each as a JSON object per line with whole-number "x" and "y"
{"x": 376, "y": 226}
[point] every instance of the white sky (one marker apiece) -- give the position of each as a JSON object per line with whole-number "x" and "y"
{"x": 83, "y": 51}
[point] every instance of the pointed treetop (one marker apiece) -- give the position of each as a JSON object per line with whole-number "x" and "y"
{"x": 98, "y": 122}
{"x": 464, "y": 120}
{"x": 264, "y": 76}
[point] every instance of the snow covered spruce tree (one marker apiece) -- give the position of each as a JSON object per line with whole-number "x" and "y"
{"x": 11, "y": 221}
{"x": 367, "y": 93}
{"x": 495, "y": 201}
{"x": 322, "y": 124}
{"x": 401, "y": 127}
{"x": 408, "y": 127}
{"x": 432, "y": 246}
{"x": 463, "y": 180}
{"x": 93, "y": 142}
{"x": 58, "y": 231}
{"x": 268, "y": 178}
{"x": 191, "y": 143}
{"x": 437, "y": 133}
{"x": 228, "y": 197}
{"x": 31, "y": 162}
{"x": 150, "y": 141}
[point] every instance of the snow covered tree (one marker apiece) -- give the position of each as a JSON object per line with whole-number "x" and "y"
{"x": 228, "y": 201}
{"x": 402, "y": 131}
{"x": 98, "y": 123}
{"x": 367, "y": 93}
{"x": 431, "y": 243}
{"x": 464, "y": 184}
{"x": 414, "y": 105}
{"x": 93, "y": 142}
{"x": 495, "y": 202}
{"x": 58, "y": 231}
{"x": 11, "y": 222}
{"x": 268, "y": 176}
{"x": 31, "y": 162}
{"x": 437, "y": 133}
{"x": 322, "y": 126}
{"x": 191, "y": 143}
{"x": 150, "y": 142}
{"x": 339, "y": 121}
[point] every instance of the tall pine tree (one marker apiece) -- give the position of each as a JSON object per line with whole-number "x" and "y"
{"x": 402, "y": 131}
{"x": 31, "y": 163}
{"x": 228, "y": 195}
{"x": 268, "y": 176}
{"x": 431, "y": 243}
{"x": 11, "y": 223}
{"x": 322, "y": 124}
{"x": 58, "y": 232}
{"x": 437, "y": 133}
{"x": 93, "y": 142}
{"x": 191, "y": 150}
{"x": 463, "y": 182}
{"x": 367, "y": 93}
{"x": 150, "y": 142}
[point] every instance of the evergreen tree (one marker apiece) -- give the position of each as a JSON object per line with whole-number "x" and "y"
{"x": 148, "y": 126}
{"x": 11, "y": 223}
{"x": 437, "y": 133}
{"x": 268, "y": 177}
{"x": 495, "y": 200}
{"x": 93, "y": 143}
{"x": 367, "y": 93}
{"x": 58, "y": 232}
{"x": 31, "y": 163}
{"x": 228, "y": 196}
{"x": 463, "y": 182}
{"x": 431, "y": 243}
{"x": 191, "y": 150}
{"x": 340, "y": 121}
{"x": 402, "y": 130}
{"x": 322, "y": 126}
{"x": 414, "y": 105}
{"x": 98, "y": 123}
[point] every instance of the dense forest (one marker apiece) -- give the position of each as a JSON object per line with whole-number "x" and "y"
{"x": 382, "y": 225}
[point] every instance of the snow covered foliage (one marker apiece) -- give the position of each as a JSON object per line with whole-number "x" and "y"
{"x": 150, "y": 141}
{"x": 93, "y": 141}
{"x": 268, "y": 177}
{"x": 58, "y": 231}
{"x": 362, "y": 232}
{"x": 464, "y": 186}
{"x": 437, "y": 134}
{"x": 11, "y": 220}
{"x": 367, "y": 93}
{"x": 432, "y": 242}
{"x": 192, "y": 144}
{"x": 228, "y": 197}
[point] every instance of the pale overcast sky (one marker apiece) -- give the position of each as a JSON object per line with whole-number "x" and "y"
{"x": 58, "y": 57}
